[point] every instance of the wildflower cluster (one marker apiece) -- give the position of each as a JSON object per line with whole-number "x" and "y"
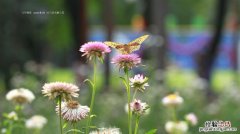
{"x": 20, "y": 98}
{"x": 67, "y": 108}
{"x": 135, "y": 106}
{"x": 72, "y": 112}
{"x": 172, "y": 101}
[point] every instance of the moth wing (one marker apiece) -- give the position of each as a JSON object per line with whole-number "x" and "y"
{"x": 117, "y": 46}
{"x": 112, "y": 44}
{"x": 139, "y": 40}
{"x": 136, "y": 44}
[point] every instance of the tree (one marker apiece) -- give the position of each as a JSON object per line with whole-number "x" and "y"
{"x": 206, "y": 59}
{"x": 108, "y": 22}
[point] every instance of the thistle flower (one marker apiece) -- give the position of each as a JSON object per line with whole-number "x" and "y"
{"x": 172, "y": 100}
{"x": 126, "y": 61}
{"x": 139, "y": 82}
{"x": 73, "y": 111}
{"x": 55, "y": 89}
{"x": 20, "y": 96}
{"x": 192, "y": 119}
{"x": 36, "y": 122}
{"x": 12, "y": 116}
{"x": 138, "y": 107}
{"x": 94, "y": 49}
{"x": 179, "y": 127}
{"x": 107, "y": 131}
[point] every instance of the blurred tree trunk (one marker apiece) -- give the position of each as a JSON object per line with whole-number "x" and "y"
{"x": 234, "y": 28}
{"x": 108, "y": 22}
{"x": 78, "y": 15}
{"x": 147, "y": 14}
{"x": 159, "y": 11}
{"x": 206, "y": 60}
{"x": 155, "y": 16}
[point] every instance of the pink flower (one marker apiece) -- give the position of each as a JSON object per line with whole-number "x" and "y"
{"x": 192, "y": 118}
{"x": 94, "y": 49}
{"x": 126, "y": 61}
{"x": 138, "y": 107}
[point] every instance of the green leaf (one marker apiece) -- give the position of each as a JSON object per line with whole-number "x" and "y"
{"x": 65, "y": 125}
{"x": 92, "y": 127}
{"x": 5, "y": 115}
{"x": 93, "y": 115}
{"x": 74, "y": 130}
{"x": 101, "y": 60}
{"x": 124, "y": 81}
{"x": 91, "y": 83}
{"x": 122, "y": 78}
{"x": 153, "y": 131}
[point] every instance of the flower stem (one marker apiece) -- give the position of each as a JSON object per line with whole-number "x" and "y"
{"x": 93, "y": 94}
{"x": 136, "y": 125}
{"x": 60, "y": 113}
{"x": 10, "y": 126}
{"x": 129, "y": 100}
{"x": 74, "y": 128}
{"x": 37, "y": 131}
{"x": 174, "y": 113}
{"x": 135, "y": 92}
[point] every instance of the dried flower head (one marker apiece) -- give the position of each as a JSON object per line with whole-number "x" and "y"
{"x": 55, "y": 89}
{"x": 126, "y": 61}
{"x": 72, "y": 111}
{"x": 139, "y": 82}
{"x": 94, "y": 49}
{"x": 138, "y": 107}
{"x": 20, "y": 96}
{"x": 192, "y": 119}
{"x": 107, "y": 131}
{"x": 172, "y": 100}
{"x": 179, "y": 127}
{"x": 36, "y": 122}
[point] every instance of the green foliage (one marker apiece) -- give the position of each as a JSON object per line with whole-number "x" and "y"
{"x": 185, "y": 10}
{"x": 58, "y": 28}
{"x": 222, "y": 79}
{"x": 153, "y": 131}
{"x": 179, "y": 79}
{"x": 60, "y": 74}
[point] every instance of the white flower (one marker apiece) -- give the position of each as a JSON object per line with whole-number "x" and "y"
{"x": 36, "y": 122}
{"x": 73, "y": 111}
{"x": 107, "y": 131}
{"x": 20, "y": 96}
{"x": 3, "y": 130}
{"x": 172, "y": 100}
{"x": 12, "y": 116}
{"x": 192, "y": 119}
{"x": 139, "y": 82}
{"x": 55, "y": 89}
{"x": 179, "y": 127}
